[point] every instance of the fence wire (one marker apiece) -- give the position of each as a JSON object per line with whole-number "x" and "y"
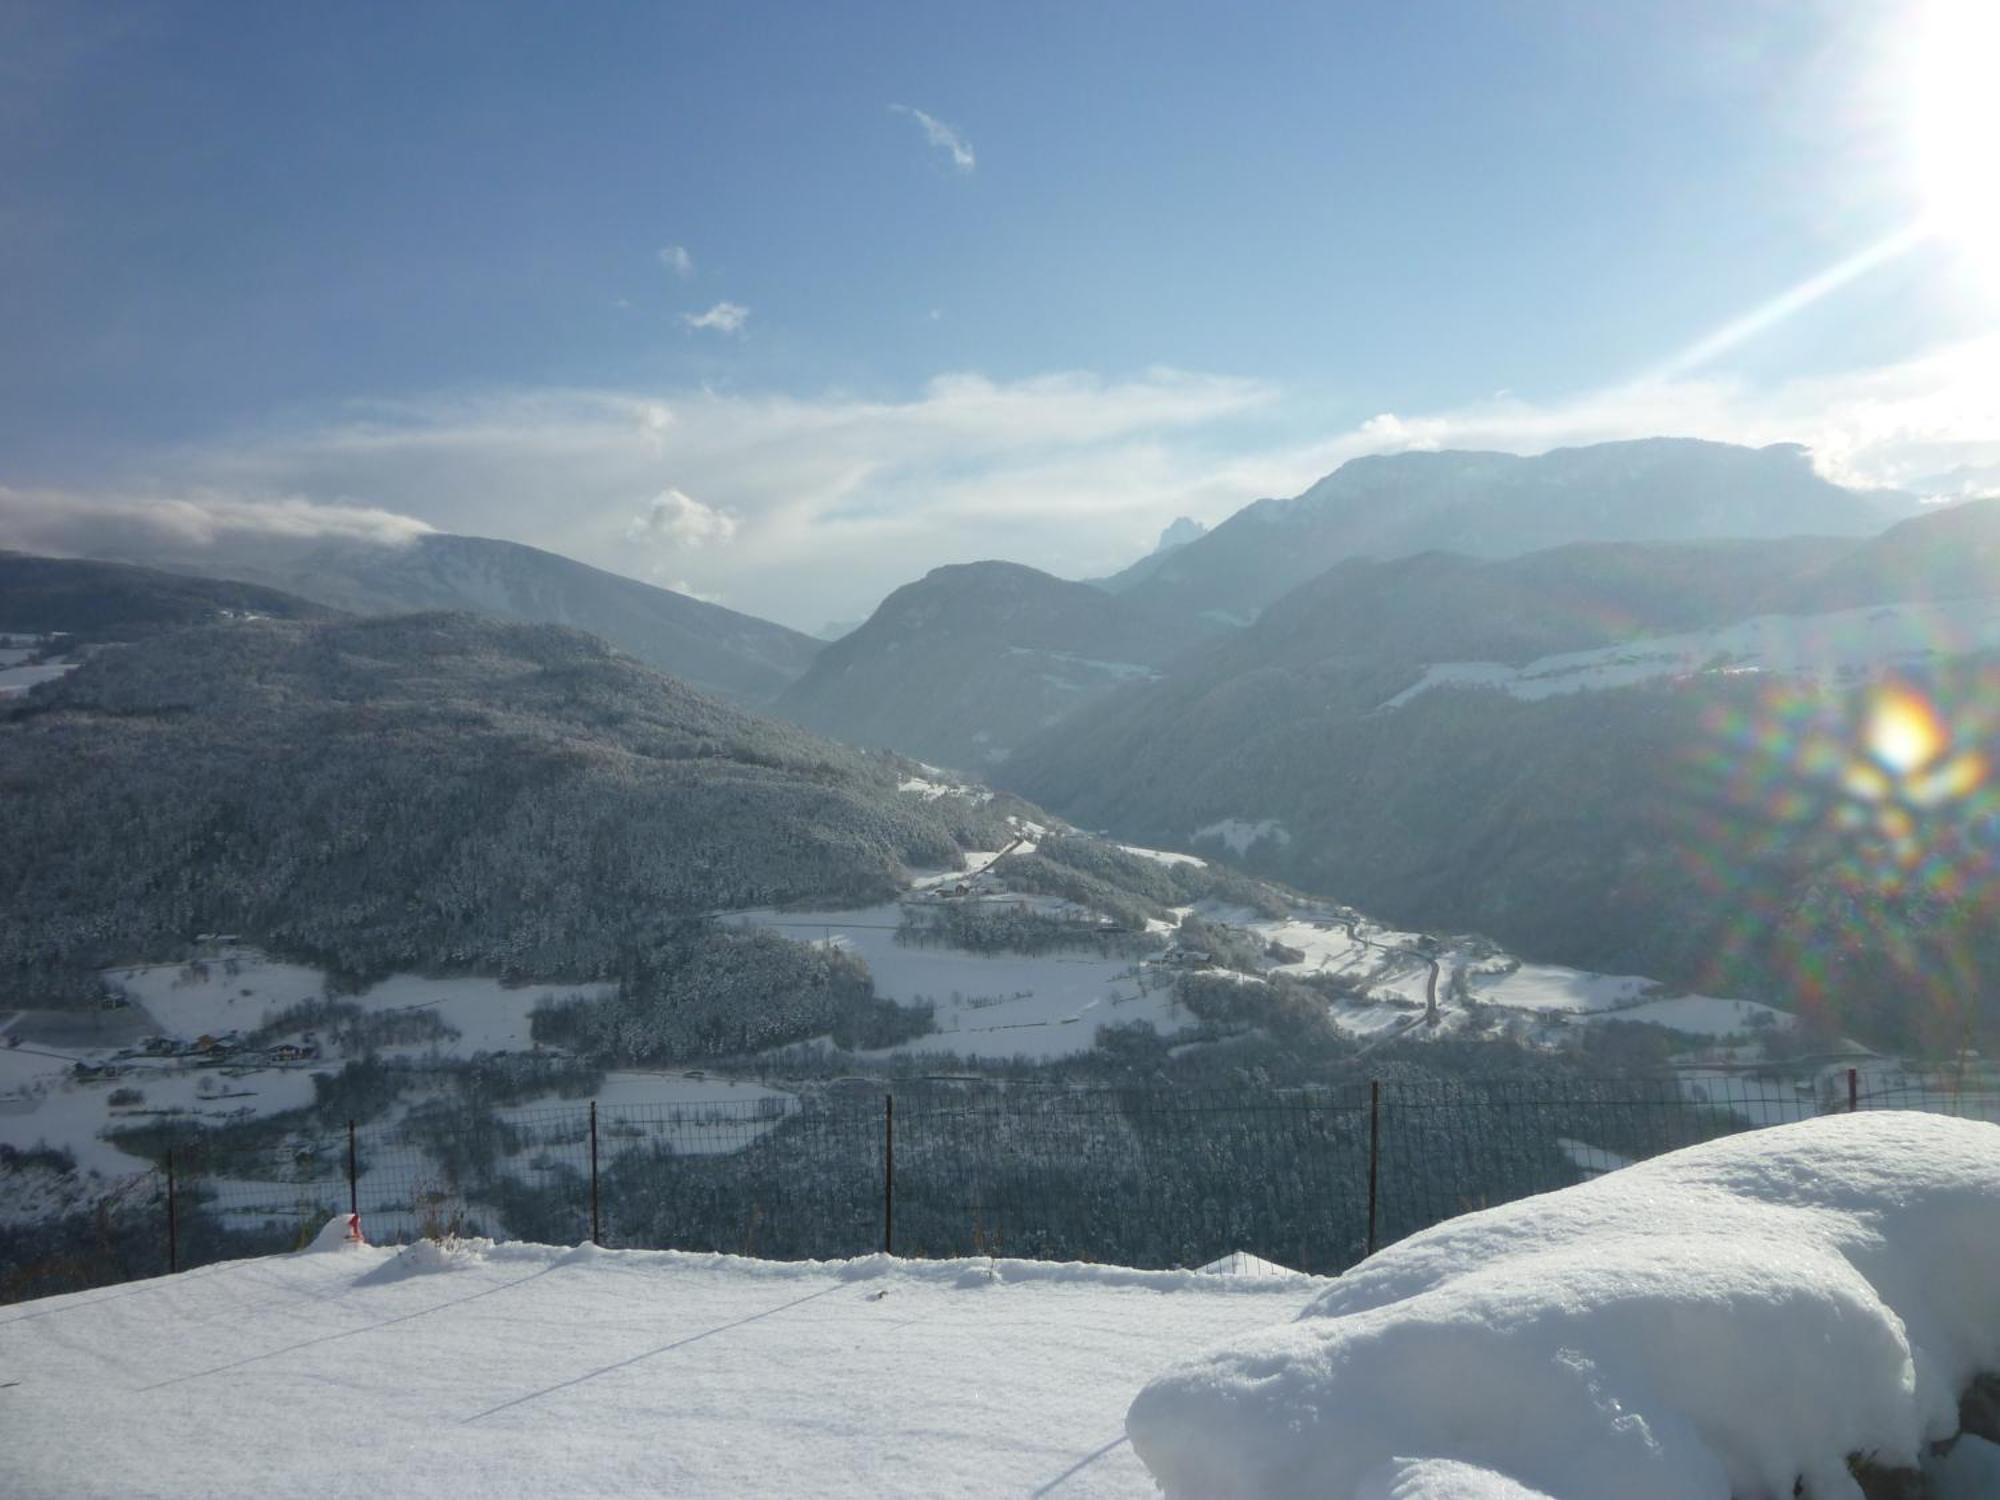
{"x": 1310, "y": 1179}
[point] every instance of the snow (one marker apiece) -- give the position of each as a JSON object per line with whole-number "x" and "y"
{"x": 240, "y": 988}
{"x": 1702, "y": 1015}
{"x": 672, "y": 1107}
{"x": 72, "y": 1113}
{"x": 931, "y": 789}
{"x": 1164, "y": 856}
{"x": 468, "y": 1368}
{"x": 997, "y": 1005}
{"x": 1842, "y": 643}
{"x": 1546, "y": 987}
{"x": 15, "y": 680}
{"x": 1243, "y": 1263}
{"x": 1238, "y": 835}
{"x": 1723, "y": 1321}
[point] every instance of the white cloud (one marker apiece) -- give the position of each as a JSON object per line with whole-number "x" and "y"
{"x": 1895, "y": 425}
{"x": 942, "y": 136}
{"x": 828, "y": 502}
{"x": 676, "y": 258}
{"x": 73, "y": 523}
{"x": 724, "y": 317}
{"x": 679, "y": 520}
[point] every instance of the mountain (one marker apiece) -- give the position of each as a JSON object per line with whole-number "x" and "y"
{"x": 99, "y": 601}
{"x": 1949, "y": 552}
{"x": 1178, "y": 534}
{"x": 1499, "y": 505}
{"x": 965, "y": 663}
{"x": 715, "y": 649}
{"x": 423, "y": 792}
{"x": 1650, "y": 758}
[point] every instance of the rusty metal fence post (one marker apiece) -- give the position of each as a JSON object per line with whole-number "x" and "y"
{"x": 173, "y": 1219}
{"x": 888, "y": 1174}
{"x": 1374, "y": 1152}
{"x": 596, "y": 1225}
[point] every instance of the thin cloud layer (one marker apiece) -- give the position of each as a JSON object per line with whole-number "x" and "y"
{"x": 806, "y": 509}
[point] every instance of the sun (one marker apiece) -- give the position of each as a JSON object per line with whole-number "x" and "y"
{"x": 1955, "y": 116}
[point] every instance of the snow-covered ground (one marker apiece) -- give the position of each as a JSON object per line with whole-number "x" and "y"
{"x": 521, "y": 1370}
{"x": 1240, "y": 835}
{"x": 989, "y": 1005}
{"x": 18, "y": 679}
{"x": 674, "y": 1108}
{"x": 1393, "y": 972}
{"x": 1841, "y": 643}
{"x": 58, "y": 1110}
{"x": 240, "y": 988}
{"x": 1728, "y": 1320}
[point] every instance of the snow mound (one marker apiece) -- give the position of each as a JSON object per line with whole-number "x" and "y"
{"x": 1243, "y": 1263}
{"x": 428, "y": 1257}
{"x": 1442, "y": 1479}
{"x": 339, "y": 1234}
{"x": 1725, "y": 1321}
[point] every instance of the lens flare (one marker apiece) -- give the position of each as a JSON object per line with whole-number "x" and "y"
{"x": 1903, "y": 732}
{"x": 1847, "y": 834}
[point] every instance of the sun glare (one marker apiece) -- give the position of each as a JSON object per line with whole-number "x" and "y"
{"x": 1903, "y": 732}
{"x": 1956, "y": 117}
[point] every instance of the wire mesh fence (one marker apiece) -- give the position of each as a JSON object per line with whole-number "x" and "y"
{"x": 1310, "y": 1179}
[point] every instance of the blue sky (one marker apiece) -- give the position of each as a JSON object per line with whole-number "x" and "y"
{"x": 1021, "y": 280}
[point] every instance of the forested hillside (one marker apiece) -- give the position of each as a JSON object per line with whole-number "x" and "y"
{"x": 717, "y": 650}
{"x": 970, "y": 660}
{"x": 431, "y": 792}
{"x": 97, "y": 601}
{"x": 1704, "y": 826}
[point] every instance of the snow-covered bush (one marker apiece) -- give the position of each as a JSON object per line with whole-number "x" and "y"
{"x": 1753, "y": 1318}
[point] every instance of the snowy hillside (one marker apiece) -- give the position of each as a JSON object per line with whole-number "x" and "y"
{"x": 532, "y": 1372}
{"x": 1845, "y": 644}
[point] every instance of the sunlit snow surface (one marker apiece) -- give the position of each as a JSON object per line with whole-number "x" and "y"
{"x": 989, "y": 1005}
{"x": 524, "y": 1371}
{"x": 242, "y": 989}
{"x": 1842, "y": 642}
{"x": 1718, "y": 1322}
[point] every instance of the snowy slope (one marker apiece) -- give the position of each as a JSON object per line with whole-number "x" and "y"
{"x": 1842, "y": 643}
{"x": 1719, "y": 1322}
{"x": 522, "y": 1370}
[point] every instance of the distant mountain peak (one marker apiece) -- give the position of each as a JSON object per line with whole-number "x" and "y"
{"x": 1184, "y": 529}
{"x": 1491, "y": 504}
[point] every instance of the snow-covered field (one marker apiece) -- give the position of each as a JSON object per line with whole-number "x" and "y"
{"x": 18, "y": 679}
{"x": 1728, "y": 1320}
{"x": 1240, "y": 835}
{"x": 41, "y": 1102}
{"x": 1394, "y": 975}
{"x": 674, "y": 1108}
{"x": 989, "y": 1005}
{"x": 1840, "y": 643}
{"x": 240, "y": 988}
{"x": 53, "y": 1108}
{"x": 522, "y": 1370}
